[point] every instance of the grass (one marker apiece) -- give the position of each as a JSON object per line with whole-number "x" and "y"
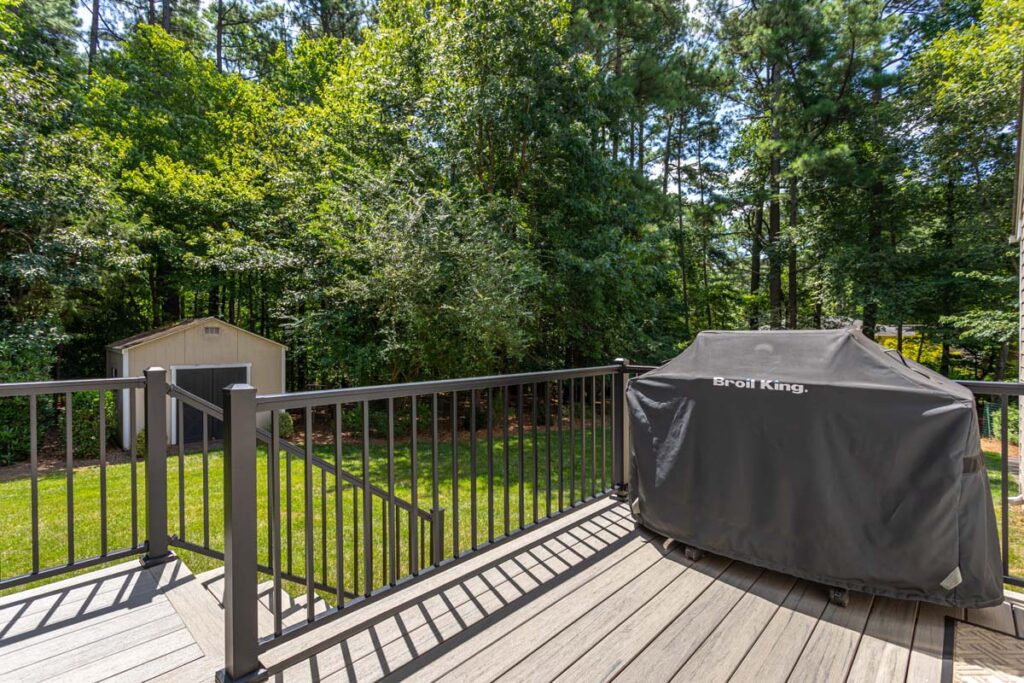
{"x": 15, "y": 549}
{"x": 204, "y": 525}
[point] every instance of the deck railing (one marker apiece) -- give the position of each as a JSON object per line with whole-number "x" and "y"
{"x": 111, "y": 544}
{"x": 486, "y": 457}
{"x": 399, "y": 481}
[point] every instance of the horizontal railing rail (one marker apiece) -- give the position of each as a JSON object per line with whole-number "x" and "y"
{"x": 87, "y": 533}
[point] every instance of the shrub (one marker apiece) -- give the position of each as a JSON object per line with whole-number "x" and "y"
{"x": 140, "y": 443}
{"x": 285, "y": 424}
{"x": 85, "y": 423}
{"x": 27, "y": 354}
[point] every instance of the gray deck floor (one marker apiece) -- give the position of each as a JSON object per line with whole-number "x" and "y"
{"x": 584, "y": 597}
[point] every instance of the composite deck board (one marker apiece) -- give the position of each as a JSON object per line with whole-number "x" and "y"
{"x": 559, "y": 650}
{"x": 668, "y": 653}
{"x": 884, "y": 649}
{"x": 549, "y": 616}
{"x": 998, "y": 618}
{"x": 583, "y": 597}
{"x": 394, "y": 642}
{"x": 929, "y": 640}
{"x": 831, "y": 648}
{"x": 776, "y": 650}
{"x": 725, "y": 648}
{"x": 606, "y": 658}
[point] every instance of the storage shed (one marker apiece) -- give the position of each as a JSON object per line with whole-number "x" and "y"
{"x": 202, "y": 356}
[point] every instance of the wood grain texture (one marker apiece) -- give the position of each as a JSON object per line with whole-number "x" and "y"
{"x": 925, "y": 664}
{"x": 725, "y": 648}
{"x": 884, "y": 649}
{"x": 669, "y": 652}
{"x": 831, "y": 648}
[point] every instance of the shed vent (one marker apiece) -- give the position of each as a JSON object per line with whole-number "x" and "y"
{"x": 211, "y": 330}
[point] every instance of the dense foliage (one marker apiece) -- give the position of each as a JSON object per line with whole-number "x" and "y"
{"x": 412, "y": 189}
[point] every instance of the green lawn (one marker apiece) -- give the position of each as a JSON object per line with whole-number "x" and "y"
{"x": 15, "y": 549}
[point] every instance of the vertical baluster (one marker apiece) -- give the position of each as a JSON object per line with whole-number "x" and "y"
{"x": 604, "y": 432}
{"x": 414, "y": 567}
{"x": 181, "y": 468}
{"x": 103, "y": 470}
{"x": 435, "y": 494}
{"x": 472, "y": 467}
{"x": 522, "y": 458}
{"x": 133, "y": 453}
{"x": 385, "y": 545}
{"x": 561, "y": 453}
{"x": 323, "y": 525}
{"x": 308, "y": 510}
{"x": 535, "y": 396}
{"x": 339, "y": 564}
{"x": 584, "y": 466}
{"x": 355, "y": 540}
{"x": 392, "y": 532}
{"x": 455, "y": 474}
{"x": 1004, "y": 441}
{"x": 274, "y": 497}
{"x": 423, "y": 548}
{"x": 572, "y": 442}
{"x": 288, "y": 509}
{"x": 33, "y": 441}
{"x": 593, "y": 436}
{"x": 505, "y": 473}
{"x": 69, "y": 464}
{"x": 490, "y": 465}
{"x": 206, "y": 479}
{"x": 547, "y": 445}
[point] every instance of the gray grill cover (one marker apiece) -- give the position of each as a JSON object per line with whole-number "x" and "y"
{"x": 818, "y": 454}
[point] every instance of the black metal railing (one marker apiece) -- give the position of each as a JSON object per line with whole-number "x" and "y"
{"x": 491, "y": 456}
{"x": 91, "y": 529}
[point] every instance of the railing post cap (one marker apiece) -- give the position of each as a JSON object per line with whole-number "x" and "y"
{"x": 156, "y": 369}
{"x": 621, "y": 361}
{"x": 241, "y": 386}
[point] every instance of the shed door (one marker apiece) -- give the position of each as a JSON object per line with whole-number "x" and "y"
{"x": 206, "y": 383}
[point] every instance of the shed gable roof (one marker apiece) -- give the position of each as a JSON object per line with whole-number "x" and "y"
{"x": 179, "y": 327}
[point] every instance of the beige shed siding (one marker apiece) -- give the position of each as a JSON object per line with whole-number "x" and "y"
{"x": 192, "y": 346}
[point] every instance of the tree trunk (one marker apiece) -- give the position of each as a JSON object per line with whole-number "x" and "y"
{"x": 667, "y": 156}
{"x": 151, "y": 13}
{"x": 166, "y": 18}
{"x": 755, "y": 266}
{"x": 794, "y": 216}
{"x": 213, "y": 301}
{"x": 640, "y": 161}
{"x": 219, "y": 32}
{"x": 774, "y": 250}
{"x": 94, "y": 35}
{"x": 899, "y": 337}
{"x": 681, "y": 246}
{"x": 945, "y": 362}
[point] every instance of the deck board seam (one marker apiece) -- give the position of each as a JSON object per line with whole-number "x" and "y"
{"x": 860, "y": 639}
{"x": 625, "y": 664}
{"x": 626, "y": 586}
{"x": 803, "y": 648}
{"x": 753, "y": 642}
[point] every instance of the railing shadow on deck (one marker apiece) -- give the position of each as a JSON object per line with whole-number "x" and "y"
{"x": 595, "y": 537}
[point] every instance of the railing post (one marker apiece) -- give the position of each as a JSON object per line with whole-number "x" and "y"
{"x": 241, "y": 636}
{"x": 619, "y": 431}
{"x": 156, "y": 467}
